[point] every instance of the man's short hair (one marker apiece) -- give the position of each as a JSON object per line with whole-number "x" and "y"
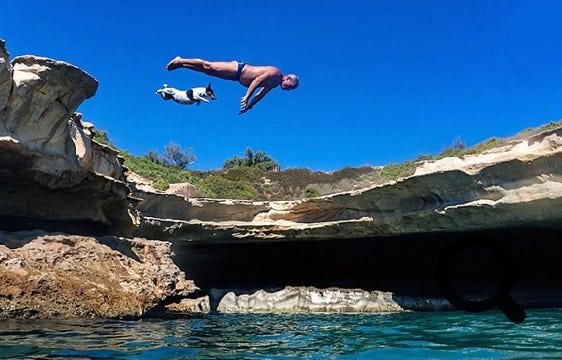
{"x": 295, "y": 80}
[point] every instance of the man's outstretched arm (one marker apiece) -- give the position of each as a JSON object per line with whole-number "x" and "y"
{"x": 261, "y": 93}
{"x": 253, "y": 86}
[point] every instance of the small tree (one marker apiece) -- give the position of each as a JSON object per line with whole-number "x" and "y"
{"x": 174, "y": 156}
{"x": 248, "y": 157}
{"x": 153, "y": 156}
{"x": 455, "y": 149}
{"x": 101, "y": 137}
{"x": 259, "y": 160}
{"x": 233, "y": 162}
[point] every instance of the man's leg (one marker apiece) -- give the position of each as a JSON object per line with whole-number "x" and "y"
{"x": 221, "y": 69}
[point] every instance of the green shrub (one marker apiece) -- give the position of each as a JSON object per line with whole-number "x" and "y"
{"x": 246, "y": 174}
{"x": 259, "y": 159}
{"x": 154, "y": 171}
{"x": 486, "y": 145}
{"x": 216, "y": 186}
{"x": 101, "y": 137}
{"x": 423, "y": 157}
{"x": 450, "y": 152}
{"x": 311, "y": 193}
{"x": 161, "y": 185}
{"x": 396, "y": 171}
{"x": 550, "y": 126}
{"x": 455, "y": 149}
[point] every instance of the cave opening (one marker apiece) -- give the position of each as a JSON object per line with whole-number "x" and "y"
{"x": 404, "y": 265}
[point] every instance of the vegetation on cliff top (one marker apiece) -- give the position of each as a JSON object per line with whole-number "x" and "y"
{"x": 256, "y": 176}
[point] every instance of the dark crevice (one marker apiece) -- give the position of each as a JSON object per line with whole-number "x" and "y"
{"x": 405, "y": 265}
{"x": 75, "y": 227}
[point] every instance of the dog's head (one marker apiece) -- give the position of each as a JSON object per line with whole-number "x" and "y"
{"x": 209, "y": 92}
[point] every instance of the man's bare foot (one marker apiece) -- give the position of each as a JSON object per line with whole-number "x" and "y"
{"x": 174, "y": 64}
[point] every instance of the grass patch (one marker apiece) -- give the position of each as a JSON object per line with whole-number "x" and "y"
{"x": 550, "y": 126}
{"x": 254, "y": 183}
{"x": 396, "y": 171}
{"x": 161, "y": 175}
{"x": 486, "y": 145}
{"x": 217, "y": 186}
{"x": 311, "y": 193}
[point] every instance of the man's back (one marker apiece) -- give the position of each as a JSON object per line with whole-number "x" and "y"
{"x": 273, "y": 75}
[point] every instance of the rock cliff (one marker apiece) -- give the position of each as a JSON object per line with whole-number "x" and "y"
{"x": 388, "y": 237}
{"x": 518, "y": 184}
{"x": 47, "y": 156}
{"x": 55, "y": 178}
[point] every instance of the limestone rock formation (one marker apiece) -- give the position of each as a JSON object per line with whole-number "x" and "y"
{"x": 519, "y": 184}
{"x": 5, "y": 76}
{"x": 54, "y": 177}
{"x": 45, "y": 275}
{"x": 314, "y": 300}
{"x": 188, "y": 305}
{"x": 47, "y": 156}
{"x": 389, "y": 237}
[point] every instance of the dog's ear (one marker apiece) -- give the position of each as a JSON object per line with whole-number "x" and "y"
{"x": 209, "y": 86}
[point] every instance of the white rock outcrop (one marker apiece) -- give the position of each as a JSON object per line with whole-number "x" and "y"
{"x": 47, "y": 154}
{"x": 516, "y": 185}
{"x": 313, "y": 300}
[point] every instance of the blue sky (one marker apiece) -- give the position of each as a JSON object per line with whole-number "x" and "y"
{"x": 381, "y": 81}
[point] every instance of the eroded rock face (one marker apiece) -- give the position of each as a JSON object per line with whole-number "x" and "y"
{"x": 314, "y": 300}
{"x": 53, "y": 176}
{"x": 517, "y": 185}
{"x": 5, "y": 77}
{"x": 44, "y": 95}
{"x": 50, "y": 169}
{"x": 45, "y": 275}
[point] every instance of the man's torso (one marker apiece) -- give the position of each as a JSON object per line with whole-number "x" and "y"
{"x": 249, "y": 73}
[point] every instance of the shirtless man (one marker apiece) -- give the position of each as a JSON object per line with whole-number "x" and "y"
{"x": 252, "y": 77}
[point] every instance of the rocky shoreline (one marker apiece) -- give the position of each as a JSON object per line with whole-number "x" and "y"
{"x": 81, "y": 237}
{"x": 59, "y": 275}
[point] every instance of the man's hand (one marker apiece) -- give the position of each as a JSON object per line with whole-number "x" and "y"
{"x": 244, "y": 102}
{"x": 244, "y": 106}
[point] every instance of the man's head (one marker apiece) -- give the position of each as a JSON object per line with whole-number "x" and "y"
{"x": 290, "y": 82}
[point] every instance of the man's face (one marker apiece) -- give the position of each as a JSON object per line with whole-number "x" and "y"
{"x": 289, "y": 82}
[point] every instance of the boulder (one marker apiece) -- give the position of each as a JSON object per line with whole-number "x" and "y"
{"x": 313, "y": 300}
{"x": 56, "y": 275}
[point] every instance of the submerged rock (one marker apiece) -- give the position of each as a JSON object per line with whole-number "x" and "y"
{"x": 314, "y": 300}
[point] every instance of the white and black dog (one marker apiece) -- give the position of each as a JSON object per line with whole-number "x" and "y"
{"x": 187, "y": 97}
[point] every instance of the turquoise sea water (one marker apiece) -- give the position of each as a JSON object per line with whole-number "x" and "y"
{"x": 447, "y": 335}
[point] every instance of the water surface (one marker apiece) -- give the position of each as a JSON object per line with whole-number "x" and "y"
{"x": 436, "y": 335}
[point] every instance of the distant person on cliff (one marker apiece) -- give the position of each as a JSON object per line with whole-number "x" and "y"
{"x": 252, "y": 77}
